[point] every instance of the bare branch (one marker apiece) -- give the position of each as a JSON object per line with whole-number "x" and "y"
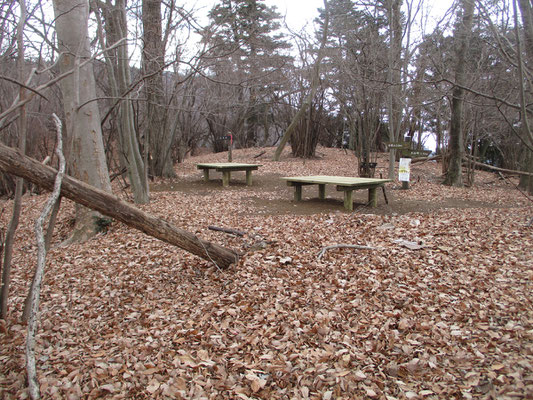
{"x": 39, "y": 272}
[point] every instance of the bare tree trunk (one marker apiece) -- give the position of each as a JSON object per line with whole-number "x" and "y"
{"x": 85, "y": 148}
{"x": 33, "y": 319}
{"x": 47, "y": 241}
{"x": 15, "y": 163}
{"x": 17, "y": 203}
{"x": 395, "y": 53}
{"x": 315, "y": 81}
{"x": 526, "y": 11}
{"x": 120, "y": 80}
{"x": 462, "y": 35}
{"x": 153, "y": 60}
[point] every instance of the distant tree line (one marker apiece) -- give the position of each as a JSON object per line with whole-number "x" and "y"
{"x": 166, "y": 86}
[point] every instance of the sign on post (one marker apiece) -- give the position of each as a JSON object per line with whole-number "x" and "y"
{"x": 397, "y": 145}
{"x": 417, "y": 153}
{"x": 404, "y": 170}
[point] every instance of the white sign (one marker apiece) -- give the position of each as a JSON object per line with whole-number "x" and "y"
{"x": 405, "y": 169}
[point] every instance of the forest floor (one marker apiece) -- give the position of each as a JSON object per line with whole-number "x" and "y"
{"x": 440, "y": 307}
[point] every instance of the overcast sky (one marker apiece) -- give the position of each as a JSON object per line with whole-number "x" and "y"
{"x": 301, "y": 12}
{"x": 297, "y": 12}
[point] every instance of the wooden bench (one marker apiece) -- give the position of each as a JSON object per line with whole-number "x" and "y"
{"x": 227, "y": 169}
{"x": 344, "y": 184}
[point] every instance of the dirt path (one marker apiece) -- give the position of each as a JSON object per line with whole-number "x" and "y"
{"x": 271, "y": 196}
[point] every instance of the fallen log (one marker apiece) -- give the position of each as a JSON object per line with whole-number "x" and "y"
{"x": 424, "y": 159}
{"x": 15, "y": 163}
{"x": 508, "y": 171}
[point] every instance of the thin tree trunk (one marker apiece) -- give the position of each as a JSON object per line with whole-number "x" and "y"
{"x": 395, "y": 90}
{"x": 526, "y": 10}
{"x": 315, "y": 81}
{"x": 17, "y": 203}
{"x": 15, "y": 163}
{"x": 462, "y": 34}
{"x": 153, "y": 60}
{"x": 47, "y": 241}
{"x": 120, "y": 80}
{"x": 33, "y": 319}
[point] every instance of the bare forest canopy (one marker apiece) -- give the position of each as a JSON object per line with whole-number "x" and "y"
{"x": 171, "y": 82}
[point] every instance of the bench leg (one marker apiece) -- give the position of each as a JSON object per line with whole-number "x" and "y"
{"x": 297, "y": 192}
{"x": 321, "y": 191}
{"x": 373, "y": 197}
{"x": 248, "y": 178}
{"x": 206, "y": 175}
{"x": 225, "y": 178}
{"x": 348, "y": 200}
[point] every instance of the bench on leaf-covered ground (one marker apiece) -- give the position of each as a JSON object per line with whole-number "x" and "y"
{"x": 343, "y": 183}
{"x": 227, "y": 169}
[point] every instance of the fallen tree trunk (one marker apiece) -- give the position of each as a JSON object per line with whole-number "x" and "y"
{"x": 508, "y": 171}
{"x": 424, "y": 159}
{"x": 16, "y": 163}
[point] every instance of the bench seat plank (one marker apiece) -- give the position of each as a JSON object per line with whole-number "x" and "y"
{"x": 226, "y": 169}
{"x": 345, "y": 184}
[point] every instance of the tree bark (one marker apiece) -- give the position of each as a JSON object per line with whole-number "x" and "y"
{"x": 85, "y": 149}
{"x": 462, "y": 34}
{"x": 395, "y": 91}
{"x": 14, "y": 162}
{"x": 19, "y": 186}
{"x": 153, "y": 59}
{"x": 33, "y": 318}
{"x": 526, "y": 11}
{"x": 117, "y": 62}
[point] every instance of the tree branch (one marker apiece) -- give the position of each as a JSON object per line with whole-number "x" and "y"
{"x": 33, "y": 384}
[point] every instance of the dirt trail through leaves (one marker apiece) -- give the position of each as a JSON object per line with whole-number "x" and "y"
{"x": 128, "y": 316}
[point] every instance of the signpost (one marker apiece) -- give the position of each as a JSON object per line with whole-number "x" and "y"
{"x": 404, "y": 172}
{"x": 397, "y": 145}
{"x": 416, "y": 153}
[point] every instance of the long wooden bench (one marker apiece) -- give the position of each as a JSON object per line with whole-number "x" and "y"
{"x": 227, "y": 169}
{"x": 343, "y": 183}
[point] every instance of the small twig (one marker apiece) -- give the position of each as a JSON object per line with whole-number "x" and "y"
{"x": 260, "y": 154}
{"x": 226, "y": 230}
{"x": 516, "y": 187}
{"x": 345, "y": 246}
{"x": 209, "y": 255}
{"x": 7, "y": 78}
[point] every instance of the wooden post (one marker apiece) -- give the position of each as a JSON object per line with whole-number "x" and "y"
{"x": 249, "y": 177}
{"x": 373, "y": 196}
{"x": 297, "y": 192}
{"x": 230, "y": 147}
{"x": 348, "y": 200}
{"x": 226, "y": 175}
{"x": 322, "y": 191}
{"x": 206, "y": 174}
{"x": 14, "y": 162}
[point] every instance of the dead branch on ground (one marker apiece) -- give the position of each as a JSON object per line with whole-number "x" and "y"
{"x": 226, "y": 230}
{"x": 33, "y": 383}
{"x": 345, "y": 246}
